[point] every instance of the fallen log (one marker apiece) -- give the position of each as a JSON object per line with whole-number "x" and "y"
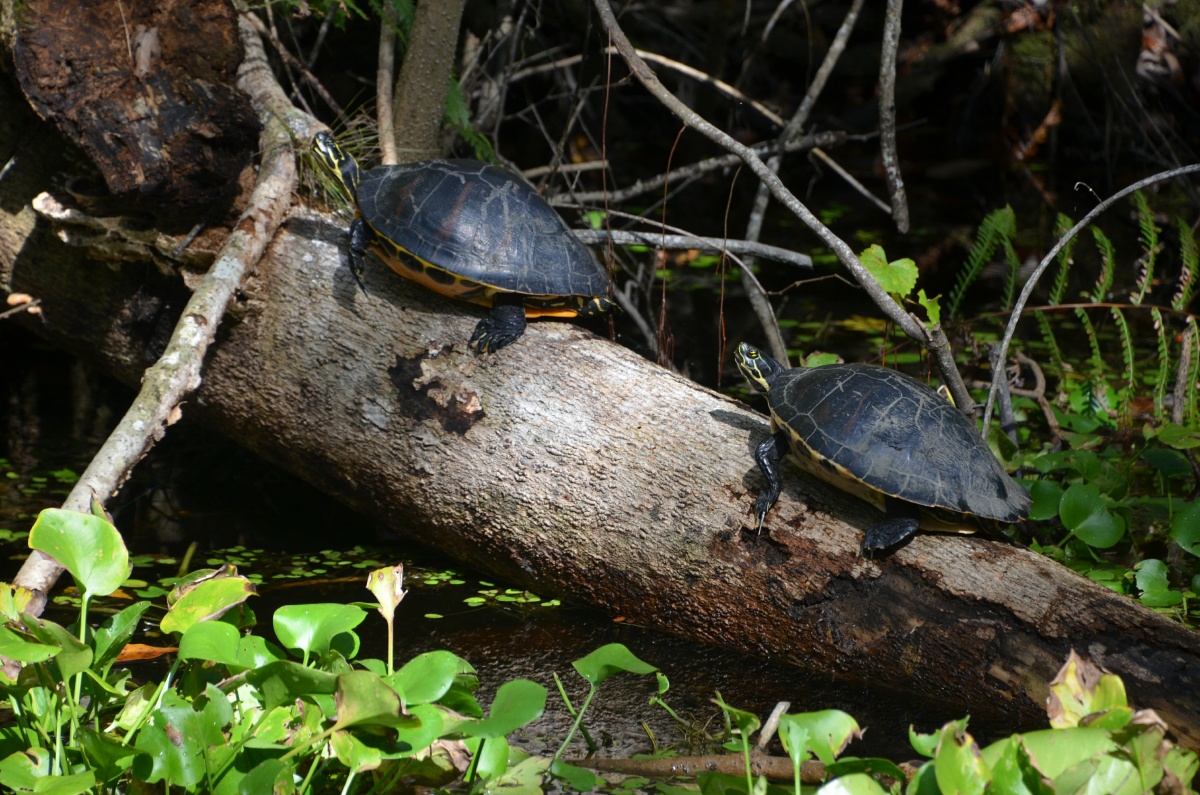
{"x": 568, "y": 464}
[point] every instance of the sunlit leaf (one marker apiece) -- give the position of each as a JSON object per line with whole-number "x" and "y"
{"x": 608, "y": 660}
{"x": 86, "y": 545}
{"x": 829, "y": 731}
{"x": 209, "y": 599}
{"x": 1084, "y": 513}
{"x": 959, "y": 765}
{"x": 311, "y": 628}
{"x": 898, "y": 277}
{"x": 426, "y": 677}
{"x": 517, "y": 703}
{"x": 853, "y": 784}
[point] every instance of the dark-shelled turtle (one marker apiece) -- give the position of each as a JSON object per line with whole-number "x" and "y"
{"x": 885, "y": 437}
{"x": 474, "y": 232}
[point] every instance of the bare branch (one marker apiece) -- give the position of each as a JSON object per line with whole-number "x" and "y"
{"x": 887, "y": 114}
{"x": 715, "y": 245}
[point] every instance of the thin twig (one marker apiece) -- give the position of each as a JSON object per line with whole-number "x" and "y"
{"x": 760, "y": 304}
{"x": 295, "y": 63}
{"x": 887, "y": 114}
{"x": 715, "y": 245}
{"x": 717, "y": 163}
{"x": 1027, "y": 290}
{"x": 385, "y": 77}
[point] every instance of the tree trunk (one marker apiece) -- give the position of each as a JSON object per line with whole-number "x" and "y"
{"x": 569, "y": 464}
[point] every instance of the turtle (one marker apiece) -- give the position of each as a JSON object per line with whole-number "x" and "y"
{"x": 472, "y": 231}
{"x": 886, "y": 438}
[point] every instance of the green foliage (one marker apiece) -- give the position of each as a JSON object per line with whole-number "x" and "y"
{"x": 997, "y": 229}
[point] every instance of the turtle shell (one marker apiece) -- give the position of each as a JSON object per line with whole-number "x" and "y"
{"x": 894, "y": 435}
{"x": 482, "y": 224}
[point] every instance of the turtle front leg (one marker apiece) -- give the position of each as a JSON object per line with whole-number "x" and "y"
{"x": 502, "y": 326}
{"x": 768, "y": 454}
{"x": 360, "y": 238}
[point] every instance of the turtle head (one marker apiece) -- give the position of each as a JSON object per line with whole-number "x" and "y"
{"x": 337, "y": 161}
{"x": 758, "y": 368}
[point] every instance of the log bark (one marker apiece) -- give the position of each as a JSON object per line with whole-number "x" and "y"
{"x": 568, "y": 464}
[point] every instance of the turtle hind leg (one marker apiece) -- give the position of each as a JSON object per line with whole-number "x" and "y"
{"x": 899, "y": 526}
{"x": 503, "y": 325}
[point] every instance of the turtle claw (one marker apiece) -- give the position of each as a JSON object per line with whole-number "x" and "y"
{"x": 500, "y": 328}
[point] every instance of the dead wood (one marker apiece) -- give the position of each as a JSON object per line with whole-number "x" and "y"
{"x": 569, "y": 464}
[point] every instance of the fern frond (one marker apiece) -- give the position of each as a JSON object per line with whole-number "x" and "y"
{"x": 1164, "y": 364}
{"x": 1014, "y": 271}
{"x": 1194, "y": 374}
{"x": 1189, "y": 258}
{"x": 1062, "y": 225}
{"x": 1149, "y": 236}
{"x": 1088, "y": 329}
{"x": 1108, "y": 265}
{"x": 1051, "y": 342}
{"x": 998, "y": 225}
{"x": 1127, "y": 353}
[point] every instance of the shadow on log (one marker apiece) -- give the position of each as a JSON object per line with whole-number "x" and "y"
{"x": 570, "y": 465}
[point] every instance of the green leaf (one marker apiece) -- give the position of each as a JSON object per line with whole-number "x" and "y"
{"x": 1178, "y": 437}
{"x": 13, "y": 601}
{"x": 897, "y": 278}
{"x": 74, "y": 657}
{"x": 312, "y": 628}
{"x": 1080, "y": 690}
{"x": 213, "y": 641}
{"x": 114, "y": 634}
{"x": 284, "y": 681}
{"x": 829, "y": 731}
{"x": 24, "y": 647}
{"x": 959, "y": 765}
{"x": 1152, "y": 576}
{"x": 365, "y": 699}
{"x": 105, "y": 753}
{"x": 932, "y": 306}
{"x": 176, "y": 738}
{"x": 209, "y": 599}
{"x": 853, "y": 784}
{"x": 608, "y": 660}
{"x": 87, "y": 546}
{"x": 264, "y": 777}
{"x": 517, "y": 703}
{"x": 426, "y": 677}
{"x": 747, "y": 722}
{"x": 578, "y": 778}
{"x": 1185, "y": 529}
{"x": 1047, "y": 495}
{"x": 29, "y": 771}
{"x": 387, "y": 584}
{"x": 1084, "y": 513}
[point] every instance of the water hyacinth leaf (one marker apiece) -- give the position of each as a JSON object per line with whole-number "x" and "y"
{"x": 959, "y": 765}
{"x": 29, "y": 771}
{"x": 1082, "y": 689}
{"x": 86, "y": 545}
{"x": 355, "y": 754}
{"x": 926, "y": 744}
{"x": 1047, "y": 496}
{"x": 265, "y": 777}
{"x": 114, "y": 634}
{"x": 1177, "y": 436}
{"x": 829, "y": 731}
{"x": 255, "y": 651}
{"x": 25, "y": 648}
{"x": 213, "y": 641}
{"x": 1054, "y": 751}
{"x": 175, "y": 740}
{"x": 1185, "y": 529}
{"x": 284, "y": 681}
{"x": 517, "y": 703}
{"x": 608, "y": 660}
{"x": 523, "y": 778}
{"x": 365, "y": 699}
{"x": 73, "y": 658}
{"x": 209, "y": 599}
{"x": 1012, "y": 771}
{"x": 387, "y": 584}
{"x": 853, "y": 784}
{"x": 794, "y": 736}
{"x": 414, "y": 739}
{"x": 1085, "y": 514}
{"x": 13, "y": 601}
{"x": 105, "y": 753}
{"x": 491, "y": 756}
{"x": 874, "y": 766}
{"x": 312, "y": 628}
{"x": 426, "y": 677}
{"x": 578, "y": 778}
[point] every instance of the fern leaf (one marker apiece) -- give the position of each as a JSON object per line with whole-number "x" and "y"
{"x": 1164, "y": 364}
{"x": 1194, "y": 373}
{"x": 1149, "y": 236}
{"x": 998, "y": 225}
{"x": 1051, "y": 342}
{"x": 1014, "y": 271}
{"x": 1189, "y": 258}
{"x": 1062, "y": 225}
{"x": 1108, "y": 265}
{"x": 1127, "y": 354}
{"x": 1097, "y": 359}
